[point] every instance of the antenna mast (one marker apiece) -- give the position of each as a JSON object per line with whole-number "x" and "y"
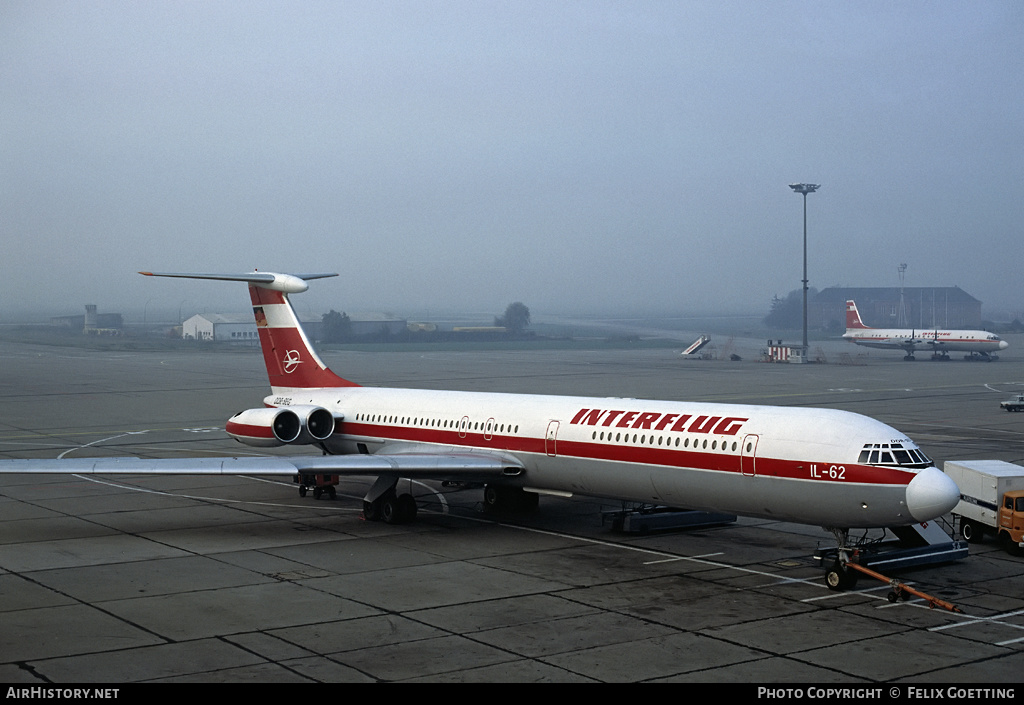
{"x": 901, "y": 315}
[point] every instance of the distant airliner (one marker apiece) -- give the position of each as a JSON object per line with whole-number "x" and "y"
{"x": 980, "y": 344}
{"x": 824, "y": 467}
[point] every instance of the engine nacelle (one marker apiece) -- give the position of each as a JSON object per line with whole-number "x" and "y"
{"x": 277, "y": 426}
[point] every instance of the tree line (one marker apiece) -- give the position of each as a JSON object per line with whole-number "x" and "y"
{"x": 336, "y": 327}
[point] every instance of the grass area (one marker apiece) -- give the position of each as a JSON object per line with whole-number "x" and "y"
{"x": 62, "y": 337}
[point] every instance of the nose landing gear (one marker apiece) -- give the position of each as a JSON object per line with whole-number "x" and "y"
{"x": 848, "y": 566}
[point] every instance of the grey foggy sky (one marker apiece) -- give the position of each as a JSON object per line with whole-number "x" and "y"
{"x": 578, "y": 156}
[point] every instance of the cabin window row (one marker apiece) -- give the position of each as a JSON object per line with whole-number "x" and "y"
{"x": 462, "y": 424}
{"x": 677, "y": 442}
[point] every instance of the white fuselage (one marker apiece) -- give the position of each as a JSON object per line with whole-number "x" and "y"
{"x": 791, "y": 464}
{"x": 934, "y": 340}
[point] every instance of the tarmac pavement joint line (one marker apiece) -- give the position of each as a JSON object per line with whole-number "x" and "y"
{"x": 665, "y": 557}
{"x": 218, "y": 500}
{"x": 101, "y": 440}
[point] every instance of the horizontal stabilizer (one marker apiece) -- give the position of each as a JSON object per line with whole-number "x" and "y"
{"x": 286, "y": 348}
{"x": 288, "y": 283}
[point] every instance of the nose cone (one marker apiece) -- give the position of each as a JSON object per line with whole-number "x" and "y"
{"x": 1003, "y": 345}
{"x": 931, "y": 494}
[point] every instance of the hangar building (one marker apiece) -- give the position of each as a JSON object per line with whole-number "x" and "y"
{"x": 924, "y": 307}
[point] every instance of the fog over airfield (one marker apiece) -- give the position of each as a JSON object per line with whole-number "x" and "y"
{"x": 618, "y": 157}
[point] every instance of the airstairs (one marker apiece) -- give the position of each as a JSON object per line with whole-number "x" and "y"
{"x": 695, "y": 347}
{"x": 914, "y": 545}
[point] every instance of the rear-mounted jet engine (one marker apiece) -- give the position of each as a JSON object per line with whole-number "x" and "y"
{"x": 267, "y": 428}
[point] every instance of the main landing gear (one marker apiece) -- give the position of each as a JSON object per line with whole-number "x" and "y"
{"x": 502, "y": 498}
{"x": 384, "y": 503}
{"x": 941, "y": 356}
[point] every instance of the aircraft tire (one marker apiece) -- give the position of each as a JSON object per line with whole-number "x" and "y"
{"x": 499, "y": 498}
{"x": 390, "y": 510}
{"x": 371, "y": 510}
{"x": 407, "y": 508}
{"x": 397, "y": 509}
{"x": 494, "y": 498}
{"x": 840, "y": 578}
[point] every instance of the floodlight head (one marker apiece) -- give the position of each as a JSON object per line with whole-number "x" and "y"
{"x": 805, "y": 188}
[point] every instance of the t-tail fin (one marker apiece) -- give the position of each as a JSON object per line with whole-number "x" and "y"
{"x": 853, "y": 321}
{"x": 291, "y": 361}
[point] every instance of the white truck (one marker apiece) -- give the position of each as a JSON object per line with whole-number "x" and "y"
{"x": 991, "y": 501}
{"x": 1015, "y": 404}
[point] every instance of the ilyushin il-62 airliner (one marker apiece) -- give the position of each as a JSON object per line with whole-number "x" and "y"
{"x": 830, "y": 468}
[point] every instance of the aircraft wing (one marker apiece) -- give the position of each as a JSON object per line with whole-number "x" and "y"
{"x": 401, "y": 462}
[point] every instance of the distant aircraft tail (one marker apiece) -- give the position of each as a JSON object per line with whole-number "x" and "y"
{"x": 853, "y": 321}
{"x": 291, "y": 361}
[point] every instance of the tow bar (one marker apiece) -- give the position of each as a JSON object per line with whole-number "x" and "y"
{"x": 898, "y": 588}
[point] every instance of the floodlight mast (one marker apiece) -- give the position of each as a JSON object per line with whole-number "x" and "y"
{"x": 805, "y": 189}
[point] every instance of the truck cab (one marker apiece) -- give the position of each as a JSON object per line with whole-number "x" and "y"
{"x": 1011, "y": 521}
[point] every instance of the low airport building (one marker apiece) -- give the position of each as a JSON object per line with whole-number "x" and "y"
{"x": 241, "y": 327}
{"x": 220, "y": 327}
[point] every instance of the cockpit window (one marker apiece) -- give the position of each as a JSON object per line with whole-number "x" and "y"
{"x": 893, "y": 454}
{"x": 902, "y": 457}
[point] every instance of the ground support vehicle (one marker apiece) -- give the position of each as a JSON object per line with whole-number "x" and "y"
{"x": 1015, "y": 404}
{"x": 320, "y": 483}
{"x": 991, "y": 501}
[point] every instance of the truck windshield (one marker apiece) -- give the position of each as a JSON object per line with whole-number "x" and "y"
{"x": 893, "y": 454}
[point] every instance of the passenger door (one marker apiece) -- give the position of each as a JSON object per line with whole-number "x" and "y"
{"x": 550, "y": 439}
{"x": 748, "y": 455}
